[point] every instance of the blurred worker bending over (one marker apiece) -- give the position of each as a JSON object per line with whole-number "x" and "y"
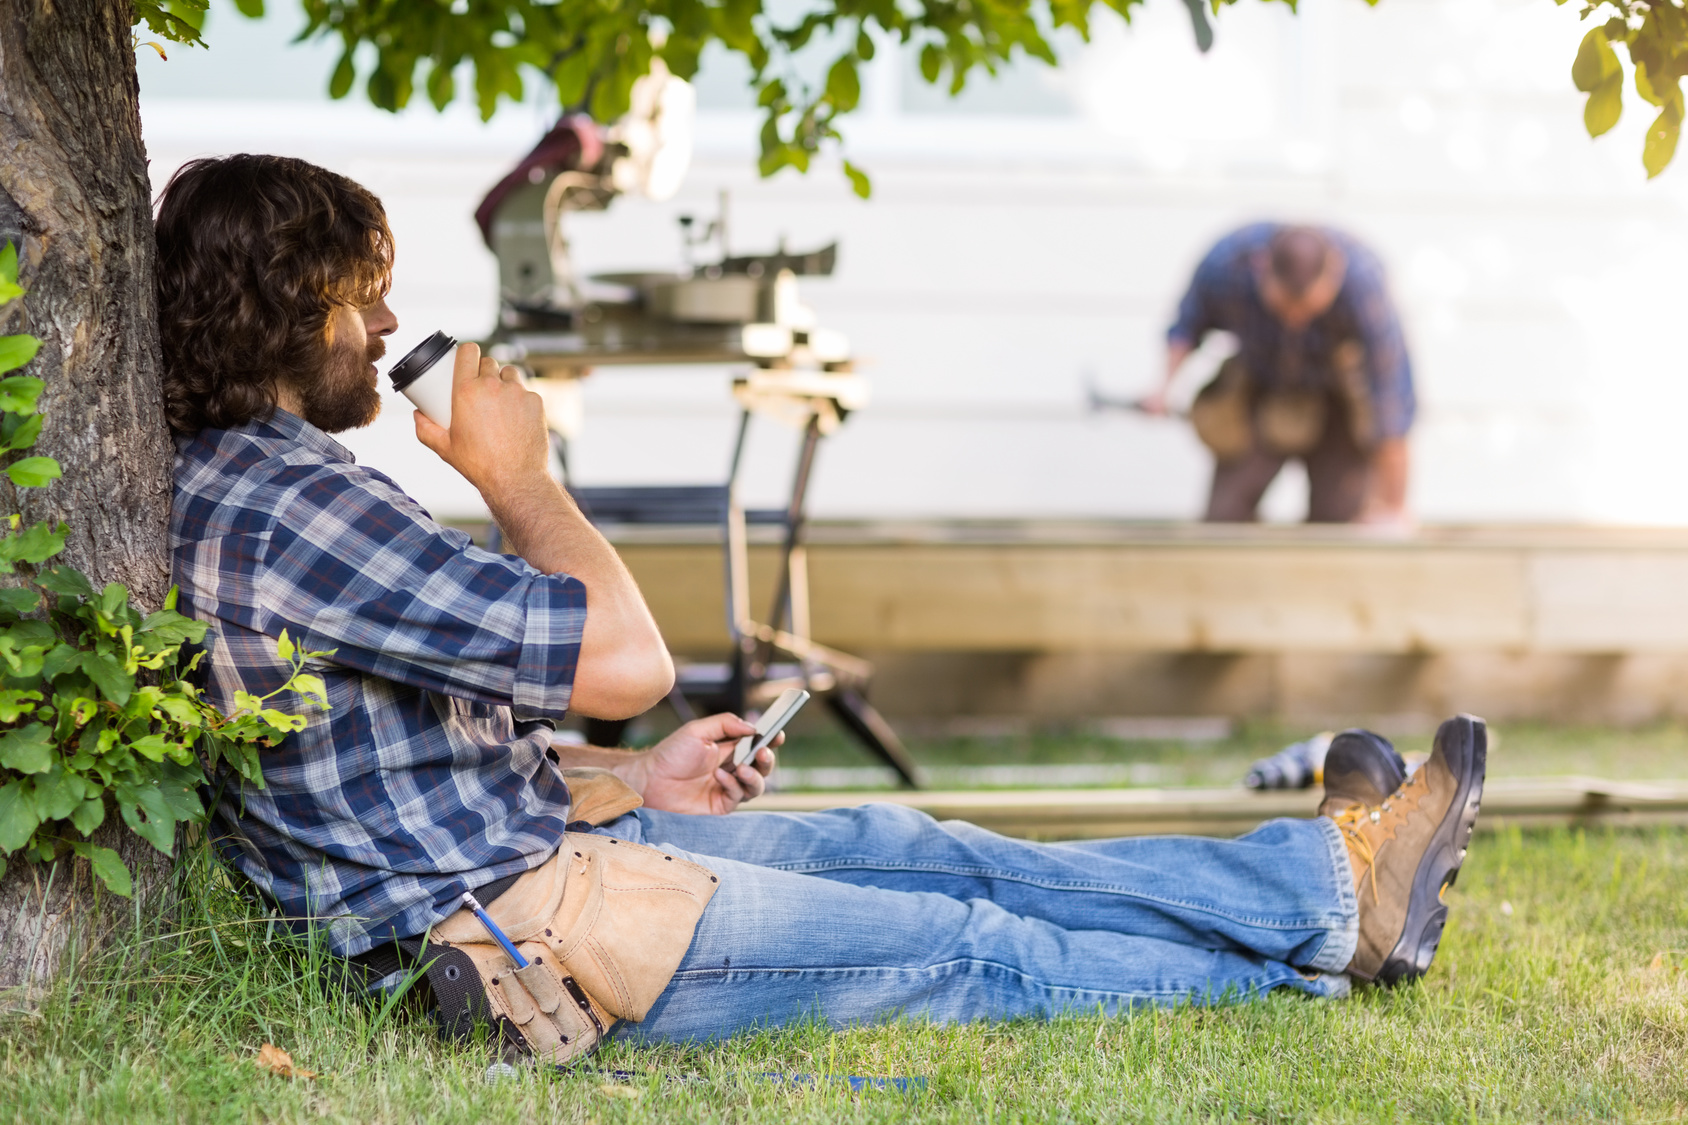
{"x": 1321, "y": 373}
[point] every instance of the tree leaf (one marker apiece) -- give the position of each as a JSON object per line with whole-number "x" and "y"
{"x": 20, "y": 393}
{"x": 15, "y": 351}
{"x": 284, "y": 646}
{"x": 251, "y": 9}
{"x": 15, "y": 703}
{"x": 152, "y": 747}
{"x": 37, "y": 544}
{"x": 18, "y": 820}
{"x": 34, "y": 472}
{"x": 1595, "y": 62}
{"x": 178, "y": 785}
{"x": 843, "y": 87}
{"x": 311, "y": 686}
{"x": 340, "y": 82}
{"x": 859, "y": 182}
{"x": 66, "y": 580}
{"x": 28, "y": 749}
{"x": 147, "y": 815}
{"x": 26, "y": 432}
{"x": 1605, "y": 105}
{"x": 58, "y": 793}
{"x": 108, "y": 865}
{"x": 19, "y": 599}
{"x": 109, "y": 675}
{"x": 931, "y": 62}
{"x": 9, "y": 263}
{"x": 1660, "y": 145}
{"x": 89, "y": 815}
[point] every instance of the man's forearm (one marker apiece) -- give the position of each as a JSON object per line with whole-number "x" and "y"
{"x": 1390, "y": 465}
{"x": 624, "y": 666}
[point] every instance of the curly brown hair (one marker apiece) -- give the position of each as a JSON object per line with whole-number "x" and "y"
{"x": 254, "y": 254}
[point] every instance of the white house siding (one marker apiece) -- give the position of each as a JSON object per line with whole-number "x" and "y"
{"x": 1045, "y": 226}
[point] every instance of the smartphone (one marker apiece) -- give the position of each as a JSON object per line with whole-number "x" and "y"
{"x": 773, "y": 721}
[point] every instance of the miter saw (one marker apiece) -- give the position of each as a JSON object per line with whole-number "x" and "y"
{"x": 719, "y": 308}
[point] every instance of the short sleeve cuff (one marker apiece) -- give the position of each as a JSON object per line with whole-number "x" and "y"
{"x": 556, "y": 620}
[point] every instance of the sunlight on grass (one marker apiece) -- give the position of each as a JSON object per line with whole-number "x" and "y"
{"x": 1559, "y": 993}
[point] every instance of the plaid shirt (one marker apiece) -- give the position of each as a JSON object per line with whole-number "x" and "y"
{"x": 420, "y": 782}
{"x": 1222, "y": 297}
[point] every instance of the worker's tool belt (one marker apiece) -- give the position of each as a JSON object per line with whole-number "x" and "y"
{"x": 1232, "y": 414}
{"x": 603, "y": 925}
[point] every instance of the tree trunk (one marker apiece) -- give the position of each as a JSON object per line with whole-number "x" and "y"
{"x": 75, "y": 198}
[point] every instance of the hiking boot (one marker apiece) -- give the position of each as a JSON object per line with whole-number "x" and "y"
{"x": 1361, "y": 768}
{"x": 1406, "y": 851}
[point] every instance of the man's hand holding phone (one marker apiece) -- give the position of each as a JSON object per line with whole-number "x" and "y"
{"x": 692, "y": 770}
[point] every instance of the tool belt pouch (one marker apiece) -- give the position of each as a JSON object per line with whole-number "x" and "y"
{"x": 598, "y": 796}
{"x": 1292, "y": 421}
{"x": 1349, "y": 364}
{"x": 603, "y": 925}
{"x": 1222, "y": 413}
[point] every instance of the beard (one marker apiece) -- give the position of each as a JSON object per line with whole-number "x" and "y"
{"x": 345, "y": 395}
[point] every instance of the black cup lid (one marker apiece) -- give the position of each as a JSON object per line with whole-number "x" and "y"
{"x": 420, "y": 359}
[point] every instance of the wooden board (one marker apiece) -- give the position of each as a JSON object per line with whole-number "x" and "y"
{"x": 889, "y": 589}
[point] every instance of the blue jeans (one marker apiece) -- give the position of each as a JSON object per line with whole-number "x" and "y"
{"x": 864, "y": 914}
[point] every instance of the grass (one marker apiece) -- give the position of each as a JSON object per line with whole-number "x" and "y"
{"x": 1560, "y": 994}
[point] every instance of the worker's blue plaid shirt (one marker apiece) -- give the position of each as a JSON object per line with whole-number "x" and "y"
{"x": 419, "y": 782}
{"x": 1222, "y": 296}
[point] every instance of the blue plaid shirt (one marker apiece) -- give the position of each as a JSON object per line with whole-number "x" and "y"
{"x": 1222, "y": 296}
{"x": 420, "y": 781}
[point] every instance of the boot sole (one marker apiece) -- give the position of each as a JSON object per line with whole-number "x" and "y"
{"x": 1465, "y": 744}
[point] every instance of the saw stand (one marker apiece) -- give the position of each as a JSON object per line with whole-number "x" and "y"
{"x": 767, "y": 657}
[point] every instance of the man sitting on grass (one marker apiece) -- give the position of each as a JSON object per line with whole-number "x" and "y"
{"x": 435, "y": 772}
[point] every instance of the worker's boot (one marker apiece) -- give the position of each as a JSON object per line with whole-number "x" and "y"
{"x": 1361, "y": 768}
{"x": 1406, "y": 850}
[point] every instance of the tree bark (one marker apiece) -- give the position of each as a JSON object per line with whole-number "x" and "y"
{"x": 75, "y": 198}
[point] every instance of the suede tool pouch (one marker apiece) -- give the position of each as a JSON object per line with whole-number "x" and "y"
{"x": 603, "y": 925}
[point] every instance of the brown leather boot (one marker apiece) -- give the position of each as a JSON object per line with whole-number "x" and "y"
{"x": 1406, "y": 851}
{"x": 1361, "y": 768}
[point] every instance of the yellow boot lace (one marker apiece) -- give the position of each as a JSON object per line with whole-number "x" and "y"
{"x": 1351, "y": 822}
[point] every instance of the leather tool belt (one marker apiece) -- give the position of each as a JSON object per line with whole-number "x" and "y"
{"x": 603, "y": 924}
{"x": 1233, "y": 414}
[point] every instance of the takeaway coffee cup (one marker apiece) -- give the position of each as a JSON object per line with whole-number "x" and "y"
{"x": 421, "y": 378}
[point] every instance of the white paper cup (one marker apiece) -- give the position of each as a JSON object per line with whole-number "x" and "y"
{"x": 421, "y": 378}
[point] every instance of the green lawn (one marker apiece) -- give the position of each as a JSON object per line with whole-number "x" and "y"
{"x": 1559, "y": 994}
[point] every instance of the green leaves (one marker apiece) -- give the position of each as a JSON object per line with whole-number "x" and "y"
{"x": 176, "y": 20}
{"x": 27, "y": 750}
{"x": 1660, "y": 145}
{"x": 15, "y": 351}
{"x": 18, "y": 819}
{"x": 108, "y": 867}
{"x": 1656, "y": 36}
{"x": 859, "y": 183}
{"x": 79, "y": 725}
{"x": 34, "y": 472}
{"x": 10, "y": 290}
{"x": 1597, "y": 73}
{"x": 35, "y": 544}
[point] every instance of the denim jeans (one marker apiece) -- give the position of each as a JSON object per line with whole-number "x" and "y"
{"x": 863, "y": 914}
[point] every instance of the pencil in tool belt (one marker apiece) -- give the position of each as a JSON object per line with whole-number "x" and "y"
{"x": 473, "y": 903}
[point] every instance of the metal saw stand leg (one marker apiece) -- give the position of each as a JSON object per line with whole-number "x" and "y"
{"x": 839, "y": 679}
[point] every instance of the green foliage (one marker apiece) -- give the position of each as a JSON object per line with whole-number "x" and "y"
{"x": 592, "y": 51}
{"x": 96, "y": 710}
{"x": 179, "y": 21}
{"x": 1655, "y": 35}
